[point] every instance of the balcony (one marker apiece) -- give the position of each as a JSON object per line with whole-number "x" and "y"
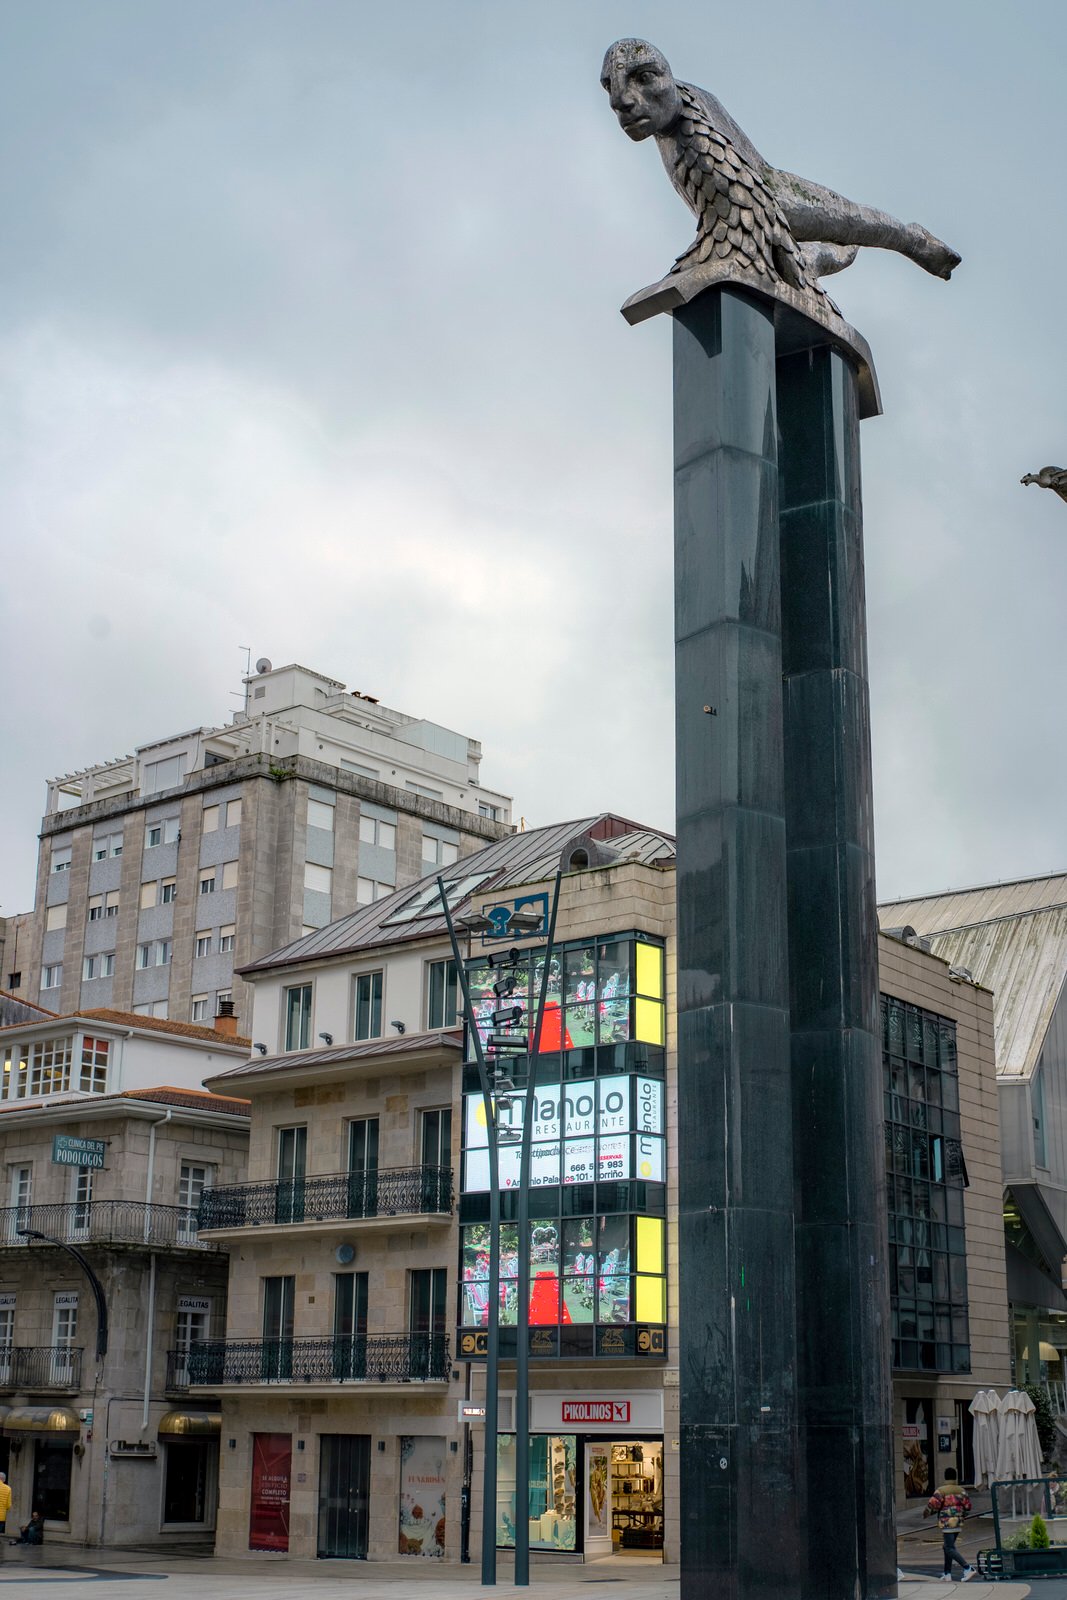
{"x": 382, "y": 1199}
{"x": 311, "y": 1365}
{"x": 36, "y": 1369}
{"x": 110, "y": 1222}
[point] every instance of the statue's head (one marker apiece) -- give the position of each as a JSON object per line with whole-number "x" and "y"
{"x": 644, "y": 95}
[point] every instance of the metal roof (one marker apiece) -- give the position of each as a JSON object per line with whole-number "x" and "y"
{"x": 401, "y": 1044}
{"x": 521, "y": 858}
{"x": 1013, "y": 939}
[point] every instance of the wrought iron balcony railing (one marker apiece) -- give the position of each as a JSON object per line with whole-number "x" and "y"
{"x": 35, "y": 1368}
{"x": 105, "y": 1222}
{"x": 355, "y": 1358}
{"x": 390, "y": 1192}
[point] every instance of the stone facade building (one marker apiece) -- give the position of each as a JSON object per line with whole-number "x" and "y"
{"x": 161, "y": 873}
{"x": 104, "y": 1443}
{"x": 359, "y": 1281}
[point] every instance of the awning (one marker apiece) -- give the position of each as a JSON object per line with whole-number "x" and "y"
{"x": 190, "y": 1425}
{"x": 42, "y": 1419}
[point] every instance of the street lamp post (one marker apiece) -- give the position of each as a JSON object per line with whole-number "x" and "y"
{"x": 495, "y": 1096}
{"x": 94, "y": 1283}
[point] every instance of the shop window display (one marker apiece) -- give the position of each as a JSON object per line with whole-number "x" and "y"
{"x": 552, "y": 1499}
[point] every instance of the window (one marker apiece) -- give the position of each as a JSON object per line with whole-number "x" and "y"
{"x": 367, "y": 891}
{"x": 320, "y": 816}
{"x": 350, "y": 1323}
{"x": 167, "y": 891}
{"x": 199, "y": 1008}
{"x": 55, "y": 918}
{"x": 278, "y": 1297}
{"x": 149, "y": 895}
{"x": 107, "y": 964}
{"x": 318, "y": 879}
{"x": 82, "y": 1198}
{"x": 64, "y": 1334}
{"x": 210, "y": 821}
{"x": 233, "y": 813}
{"x": 436, "y": 1142}
{"x": 492, "y": 812}
{"x": 61, "y": 858}
{"x": 16, "y": 1070}
{"x": 21, "y": 1188}
{"x": 192, "y": 1321}
{"x": 427, "y": 1311}
{"x": 193, "y": 1179}
{"x": 203, "y": 944}
{"x": 443, "y": 989}
{"x": 165, "y": 774}
{"x": 373, "y": 830}
{"x": 422, "y": 788}
{"x": 7, "y": 1336}
{"x": 50, "y": 1066}
{"x": 111, "y": 903}
{"x": 368, "y": 1019}
{"x": 229, "y": 874}
{"x": 164, "y": 951}
{"x": 925, "y": 1179}
{"x": 298, "y": 1017}
{"x": 151, "y": 1008}
{"x": 107, "y": 845}
{"x": 90, "y": 968}
{"x": 96, "y": 907}
{"x": 94, "y": 1060}
{"x": 220, "y": 996}
{"x": 144, "y": 956}
{"x": 14, "y": 980}
{"x": 52, "y": 976}
{"x": 207, "y": 881}
{"x": 164, "y": 832}
{"x": 226, "y": 938}
{"x": 438, "y": 852}
{"x": 292, "y": 1166}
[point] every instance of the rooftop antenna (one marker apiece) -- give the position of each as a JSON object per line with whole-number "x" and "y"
{"x": 242, "y": 694}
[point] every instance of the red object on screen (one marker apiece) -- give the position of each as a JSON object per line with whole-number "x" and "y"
{"x": 546, "y": 1306}
{"x": 553, "y": 1035}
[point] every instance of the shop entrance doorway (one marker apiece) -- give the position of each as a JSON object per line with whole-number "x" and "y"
{"x": 344, "y": 1495}
{"x": 634, "y": 1494}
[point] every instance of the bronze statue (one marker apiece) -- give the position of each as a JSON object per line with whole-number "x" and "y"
{"x": 1054, "y": 478}
{"x": 769, "y": 224}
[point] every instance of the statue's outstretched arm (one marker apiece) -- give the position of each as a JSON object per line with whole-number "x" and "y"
{"x": 816, "y": 213}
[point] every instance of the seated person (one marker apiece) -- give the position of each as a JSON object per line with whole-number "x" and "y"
{"x": 33, "y": 1532}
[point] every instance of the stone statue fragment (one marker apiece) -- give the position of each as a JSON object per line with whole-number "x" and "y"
{"x": 1054, "y": 478}
{"x": 770, "y": 226}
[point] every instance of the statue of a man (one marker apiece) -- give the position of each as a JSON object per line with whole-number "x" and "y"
{"x": 772, "y": 223}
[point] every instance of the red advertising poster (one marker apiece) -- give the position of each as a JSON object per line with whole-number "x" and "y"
{"x": 268, "y": 1521}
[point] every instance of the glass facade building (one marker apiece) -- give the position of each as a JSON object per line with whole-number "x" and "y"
{"x": 926, "y": 1175}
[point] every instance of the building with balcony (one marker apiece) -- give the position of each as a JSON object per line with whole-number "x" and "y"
{"x": 359, "y": 1286}
{"x": 161, "y": 873}
{"x": 108, "y": 1447}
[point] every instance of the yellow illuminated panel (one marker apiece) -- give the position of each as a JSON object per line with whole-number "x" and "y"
{"x": 651, "y": 1297}
{"x": 650, "y": 1244}
{"x": 650, "y": 970}
{"x": 648, "y": 1021}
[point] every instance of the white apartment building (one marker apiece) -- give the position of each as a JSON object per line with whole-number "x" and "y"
{"x": 162, "y": 872}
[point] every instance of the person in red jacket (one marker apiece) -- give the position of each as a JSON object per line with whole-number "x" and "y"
{"x": 950, "y": 1505}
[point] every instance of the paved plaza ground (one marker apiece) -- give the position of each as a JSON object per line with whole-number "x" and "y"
{"x": 48, "y": 1573}
{"x": 142, "y": 1575}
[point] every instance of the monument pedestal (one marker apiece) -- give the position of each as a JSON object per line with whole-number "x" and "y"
{"x": 786, "y": 1466}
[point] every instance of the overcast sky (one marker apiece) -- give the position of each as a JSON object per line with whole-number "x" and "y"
{"x": 310, "y": 342}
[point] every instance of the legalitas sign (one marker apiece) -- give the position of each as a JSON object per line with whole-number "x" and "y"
{"x": 596, "y": 1411}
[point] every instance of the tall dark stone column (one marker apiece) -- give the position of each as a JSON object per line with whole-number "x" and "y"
{"x": 740, "y": 1503}
{"x": 844, "y": 1377}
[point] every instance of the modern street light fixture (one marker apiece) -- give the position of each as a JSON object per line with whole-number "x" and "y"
{"x": 94, "y": 1283}
{"x": 497, "y": 1089}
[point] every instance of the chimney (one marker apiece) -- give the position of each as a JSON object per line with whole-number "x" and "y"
{"x": 225, "y": 1021}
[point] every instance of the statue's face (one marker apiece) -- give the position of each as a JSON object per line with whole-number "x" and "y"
{"x": 644, "y": 95}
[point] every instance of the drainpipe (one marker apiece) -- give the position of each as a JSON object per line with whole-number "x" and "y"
{"x": 151, "y": 1318}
